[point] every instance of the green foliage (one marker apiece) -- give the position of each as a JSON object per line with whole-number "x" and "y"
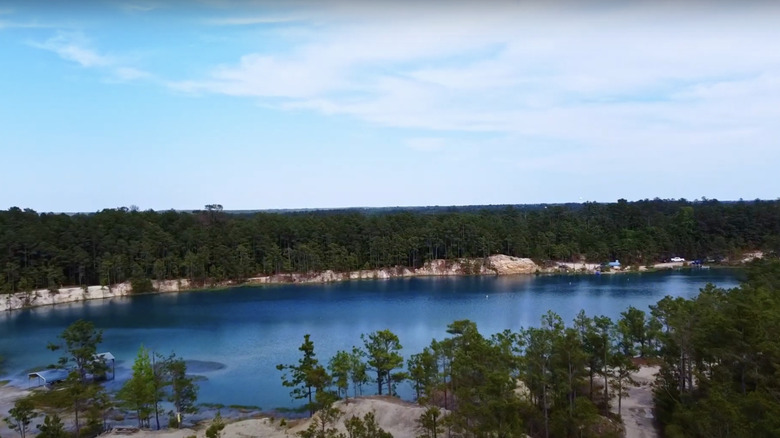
{"x": 141, "y": 285}
{"x": 634, "y": 327}
{"x": 382, "y": 349}
{"x": 719, "y": 359}
{"x": 173, "y": 421}
{"x": 183, "y": 390}
{"x": 483, "y": 384}
{"x": 215, "y": 428}
{"x": 323, "y": 424}
{"x": 20, "y": 416}
{"x": 358, "y": 370}
{"x": 430, "y": 423}
{"x": 81, "y": 341}
{"x": 52, "y": 427}
{"x": 138, "y": 392}
{"x": 307, "y": 378}
{"x": 79, "y": 394}
{"x": 47, "y": 250}
{"x": 367, "y": 427}
{"x": 156, "y": 378}
{"x": 340, "y": 368}
{"x": 423, "y": 372}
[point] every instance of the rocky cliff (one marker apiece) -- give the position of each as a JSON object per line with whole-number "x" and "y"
{"x": 493, "y": 265}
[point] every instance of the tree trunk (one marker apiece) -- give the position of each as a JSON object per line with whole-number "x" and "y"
{"x": 76, "y": 422}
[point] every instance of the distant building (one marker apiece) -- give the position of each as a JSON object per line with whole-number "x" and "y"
{"x": 615, "y": 264}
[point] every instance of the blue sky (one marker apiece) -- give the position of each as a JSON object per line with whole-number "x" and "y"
{"x": 298, "y": 104}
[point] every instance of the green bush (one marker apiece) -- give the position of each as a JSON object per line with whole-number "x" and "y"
{"x": 141, "y": 285}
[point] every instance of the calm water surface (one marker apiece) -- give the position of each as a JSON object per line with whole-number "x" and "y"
{"x": 237, "y": 336}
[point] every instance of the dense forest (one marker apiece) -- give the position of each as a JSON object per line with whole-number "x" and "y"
{"x": 46, "y": 250}
{"x": 718, "y": 354}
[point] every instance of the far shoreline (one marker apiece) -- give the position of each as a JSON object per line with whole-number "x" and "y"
{"x": 497, "y": 265}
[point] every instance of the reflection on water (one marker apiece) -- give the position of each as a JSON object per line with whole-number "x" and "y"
{"x": 234, "y": 338}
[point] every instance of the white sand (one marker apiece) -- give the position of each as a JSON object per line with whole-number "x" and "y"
{"x": 8, "y": 396}
{"x": 395, "y": 416}
{"x": 637, "y": 408}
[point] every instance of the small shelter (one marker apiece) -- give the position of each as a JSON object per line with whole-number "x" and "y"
{"x": 49, "y": 377}
{"x": 106, "y": 358}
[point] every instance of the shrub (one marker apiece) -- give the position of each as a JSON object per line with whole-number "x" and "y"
{"x": 141, "y": 285}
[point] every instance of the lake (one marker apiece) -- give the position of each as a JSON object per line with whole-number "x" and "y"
{"x": 235, "y": 337}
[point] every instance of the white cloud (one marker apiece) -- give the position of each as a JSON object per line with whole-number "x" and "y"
{"x": 129, "y": 73}
{"x": 246, "y": 21}
{"x": 74, "y": 47}
{"x": 427, "y": 144}
{"x": 139, "y": 7}
{"x": 674, "y": 81}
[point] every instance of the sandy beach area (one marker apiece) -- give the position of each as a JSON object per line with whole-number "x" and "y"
{"x": 637, "y": 408}
{"x": 395, "y": 416}
{"x": 8, "y": 396}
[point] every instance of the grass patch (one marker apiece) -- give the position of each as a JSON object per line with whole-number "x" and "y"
{"x": 4, "y": 382}
{"x": 298, "y": 410}
{"x": 213, "y": 405}
{"x": 245, "y": 407}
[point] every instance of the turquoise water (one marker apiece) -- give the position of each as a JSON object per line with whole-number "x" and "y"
{"x": 235, "y": 337}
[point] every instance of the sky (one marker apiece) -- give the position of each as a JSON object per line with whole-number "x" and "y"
{"x": 330, "y": 104}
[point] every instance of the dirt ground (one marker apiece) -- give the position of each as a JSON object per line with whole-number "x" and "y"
{"x": 395, "y": 416}
{"x": 637, "y": 408}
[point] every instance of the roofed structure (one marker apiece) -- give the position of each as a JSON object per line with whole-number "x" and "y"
{"x": 50, "y": 376}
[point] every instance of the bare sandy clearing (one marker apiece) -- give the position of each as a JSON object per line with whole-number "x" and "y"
{"x": 637, "y": 408}
{"x": 393, "y": 415}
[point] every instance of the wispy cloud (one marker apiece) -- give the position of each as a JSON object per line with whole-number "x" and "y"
{"x": 11, "y": 24}
{"x": 642, "y": 76}
{"x": 427, "y": 144}
{"x": 139, "y": 7}
{"x": 247, "y": 21}
{"x": 74, "y": 47}
{"x": 129, "y": 73}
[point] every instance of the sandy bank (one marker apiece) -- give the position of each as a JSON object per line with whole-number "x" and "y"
{"x": 395, "y": 416}
{"x": 637, "y": 408}
{"x": 8, "y": 396}
{"x": 493, "y": 265}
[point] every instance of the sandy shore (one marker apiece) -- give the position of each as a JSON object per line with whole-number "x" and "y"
{"x": 493, "y": 265}
{"x": 637, "y": 408}
{"x": 393, "y": 415}
{"x": 8, "y": 396}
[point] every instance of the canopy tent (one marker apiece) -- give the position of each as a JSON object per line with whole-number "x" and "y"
{"x": 54, "y": 375}
{"x": 49, "y": 377}
{"x": 106, "y": 358}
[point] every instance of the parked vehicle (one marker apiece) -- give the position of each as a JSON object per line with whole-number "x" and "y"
{"x": 677, "y": 259}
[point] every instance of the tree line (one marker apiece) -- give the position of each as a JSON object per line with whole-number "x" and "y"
{"x": 718, "y": 354}
{"x": 46, "y": 250}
